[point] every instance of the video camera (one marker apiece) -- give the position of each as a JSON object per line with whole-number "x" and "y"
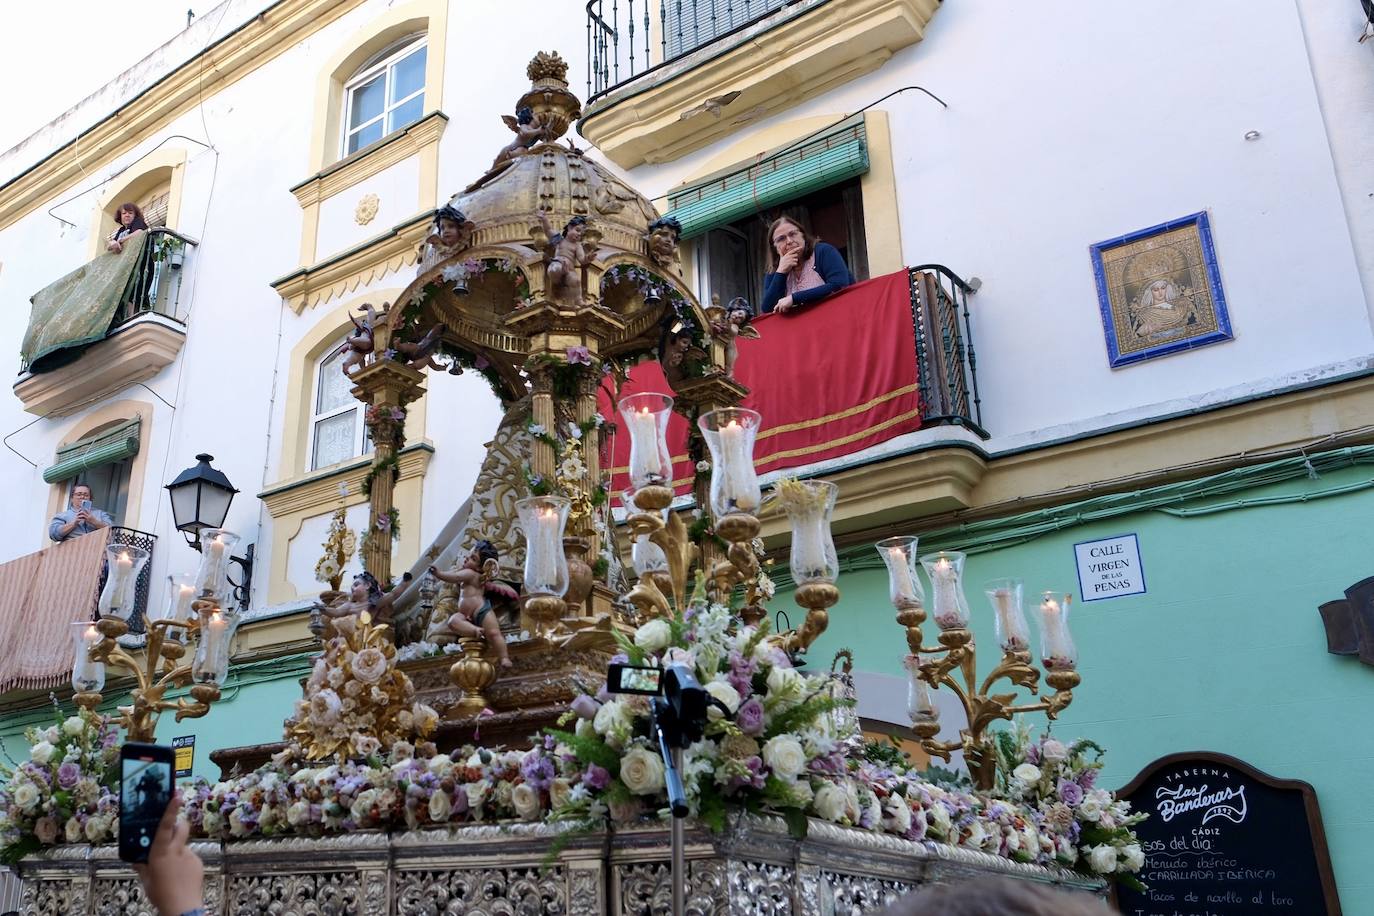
{"x": 680, "y": 702}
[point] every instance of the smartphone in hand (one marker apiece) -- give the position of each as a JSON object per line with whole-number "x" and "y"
{"x": 145, "y": 790}
{"x": 86, "y": 505}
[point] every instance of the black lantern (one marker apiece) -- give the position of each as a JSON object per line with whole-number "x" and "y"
{"x": 200, "y": 498}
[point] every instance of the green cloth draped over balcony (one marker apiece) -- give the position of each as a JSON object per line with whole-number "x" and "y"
{"x": 795, "y": 171}
{"x": 77, "y": 309}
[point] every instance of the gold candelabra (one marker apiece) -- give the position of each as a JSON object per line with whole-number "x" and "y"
{"x": 932, "y": 667}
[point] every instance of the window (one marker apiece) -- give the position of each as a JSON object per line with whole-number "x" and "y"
{"x": 387, "y": 94}
{"x": 336, "y": 426}
{"x": 109, "y": 485}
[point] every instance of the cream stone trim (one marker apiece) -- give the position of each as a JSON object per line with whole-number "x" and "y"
{"x": 163, "y": 166}
{"x": 326, "y": 334}
{"x": 257, "y": 42}
{"x": 291, "y": 502}
{"x": 108, "y": 415}
{"x": 132, "y": 353}
{"x": 791, "y": 56}
{"x": 428, "y": 16}
{"x": 366, "y": 263}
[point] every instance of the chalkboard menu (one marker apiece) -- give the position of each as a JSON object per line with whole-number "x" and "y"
{"x": 1224, "y": 839}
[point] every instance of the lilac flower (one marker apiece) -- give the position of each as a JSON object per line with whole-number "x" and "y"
{"x": 752, "y": 777}
{"x": 741, "y": 672}
{"x": 388, "y": 353}
{"x": 620, "y": 658}
{"x": 1033, "y": 754}
{"x": 596, "y": 777}
{"x": 579, "y": 356}
{"x": 68, "y": 774}
{"x": 480, "y": 363}
{"x": 1071, "y": 793}
{"x": 538, "y": 771}
{"x": 384, "y": 523}
{"x": 585, "y": 707}
{"x": 398, "y": 413}
{"x": 1087, "y": 779}
{"x": 749, "y": 717}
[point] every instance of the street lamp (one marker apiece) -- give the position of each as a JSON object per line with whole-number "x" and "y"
{"x": 200, "y": 500}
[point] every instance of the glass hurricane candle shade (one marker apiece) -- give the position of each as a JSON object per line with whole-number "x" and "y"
{"x": 211, "y": 662}
{"x": 904, "y": 586}
{"x": 1057, "y": 651}
{"x": 948, "y": 606}
{"x": 542, "y": 519}
{"x": 87, "y": 676}
{"x": 1009, "y": 620}
{"x": 216, "y": 549}
{"x": 181, "y": 591}
{"x": 730, "y": 434}
{"x": 646, "y": 418}
{"x": 920, "y": 705}
{"x": 647, "y": 557}
{"x": 808, "y": 507}
{"x": 123, "y": 564}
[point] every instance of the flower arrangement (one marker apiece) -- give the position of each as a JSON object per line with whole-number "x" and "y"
{"x": 570, "y": 473}
{"x": 65, "y": 791}
{"x": 339, "y": 546}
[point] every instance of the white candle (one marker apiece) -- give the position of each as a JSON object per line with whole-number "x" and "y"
{"x": 646, "y": 463}
{"x": 946, "y": 595}
{"x": 124, "y": 564}
{"x": 213, "y": 637}
{"x": 185, "y": 594}
{"x": 544, "y": 549}
{"x": 85, "y": 668}
{"x": 902, "y": 586}
{"x": 1013, "y": 639}
{"x": 740, "y": 488}
{"x": 212, "y": 569}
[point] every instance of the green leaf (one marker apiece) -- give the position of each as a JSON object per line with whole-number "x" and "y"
{"x": 797, "y": 822}
{"x": 588, "y": 750}
{"x": 12, "y": 854}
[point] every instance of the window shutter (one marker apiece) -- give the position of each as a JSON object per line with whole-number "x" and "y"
{"x": 103, "y": 448}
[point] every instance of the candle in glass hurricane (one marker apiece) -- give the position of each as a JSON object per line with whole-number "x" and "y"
{"x": 920, "y": 705}
{"x": 1009, "y": 620}
{"x": 211, "y": 662}
{"x": 88, "y": 675}
{"x": 212, "y": 578}
{"x": 646, "y": 417}
{"x": 1057, "y": 651}
{"x": 546, "y": 568}
{"x": 730, "y": 434}
{"x": 809, "y": 504}
{"x": 949, "y": 607}
{"x": 120, "y": 594}
{"x": 904, "y": 587}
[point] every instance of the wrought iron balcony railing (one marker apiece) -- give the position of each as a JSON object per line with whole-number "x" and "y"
{"x": 627, "y": 38}
{"x": 945, "y": 359}
{"x": 155, "y": 285}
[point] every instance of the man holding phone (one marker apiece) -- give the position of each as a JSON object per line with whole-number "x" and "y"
{"x": 79, "y": 518}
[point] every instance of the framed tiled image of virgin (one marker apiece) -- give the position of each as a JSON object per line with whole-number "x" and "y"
{"x": 1159, "y": 291}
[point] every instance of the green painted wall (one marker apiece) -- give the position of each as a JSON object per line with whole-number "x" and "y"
{"x": 1226, "y": 652}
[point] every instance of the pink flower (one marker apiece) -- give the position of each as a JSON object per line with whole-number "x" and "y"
{"x": 579, "y": 356}
{"x": 480, "y": 363}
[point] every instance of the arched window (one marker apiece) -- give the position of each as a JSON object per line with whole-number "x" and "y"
{"x": 385, "y": 95}
{"x": 337, "y": 432}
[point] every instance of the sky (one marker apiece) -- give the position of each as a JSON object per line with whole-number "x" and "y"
{"x": 73, "y": 48}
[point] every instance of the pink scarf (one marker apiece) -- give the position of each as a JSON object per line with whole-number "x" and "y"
{"x": 804, "y": 276}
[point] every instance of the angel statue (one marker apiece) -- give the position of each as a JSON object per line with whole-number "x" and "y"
{"x": 420, "y": 354}
{"x": 476, "y": 580}
{"x": 529, "y": 129}
{"x": 361, "y": 342}
{"x": 664, "y": 235}
{"x": 366, "y": 595}
{"x": 730, "y": 323}
{"x": 451, "y": 233}
{"x": 566, "y": 256}
{"x": 675, "y": 350}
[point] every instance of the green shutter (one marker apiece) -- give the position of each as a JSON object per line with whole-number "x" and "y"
{"x": 106, "y": 448}
{"x": 794, "y": 173}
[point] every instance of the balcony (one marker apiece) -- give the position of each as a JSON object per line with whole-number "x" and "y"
{"x": 665, "y": 77}
{"x": 106, "y": 326}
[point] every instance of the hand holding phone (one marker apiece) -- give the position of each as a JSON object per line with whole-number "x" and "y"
{"x": 174, "y": 876}
{"x": 145, "y": 789}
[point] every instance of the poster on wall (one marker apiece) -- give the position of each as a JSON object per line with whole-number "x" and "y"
{"x": 1109, "y": 568}
{"x": 1224, "y": 839}
{"x": 1159, "y": 291}
{"x": 185, "y": 747}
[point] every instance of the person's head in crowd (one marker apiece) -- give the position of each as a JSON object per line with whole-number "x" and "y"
{"x": 130, "y": 217}
{"x": 786, "y": 235}
{"x": 996, "y": 897}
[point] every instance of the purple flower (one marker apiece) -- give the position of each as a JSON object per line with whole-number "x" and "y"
{"x": 753, "y": 776}
{"x": 1087, "y": 779}
{"x": 585, "y": 707}
{"x": 579, "y": 356}
{"x": 68, "y": 774}
{"x": 398, "y": 413}
{"x": 596, "y": 777}
{"x": 480, "y": 363}
{"x": 537, "y": 770}
{"x": 741, "y": 672}
{"x": 749, "y": 717}
{"x": 620, "y": 658}
{"x": 1071, "y": 793}
{"x": 1033, "y": 754}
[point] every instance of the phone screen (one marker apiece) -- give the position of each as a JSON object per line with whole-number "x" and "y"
{"x": 86, "y": 504}
{"x": 642, "y": 680}
{"x": 145, "y": 789}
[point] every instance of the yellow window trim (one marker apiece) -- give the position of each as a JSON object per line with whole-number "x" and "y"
{"x": 163, "y": 166}
{"x": 371, "y": 159}
{"x": 365, "y": 263}
{"x": 107, "y": 415}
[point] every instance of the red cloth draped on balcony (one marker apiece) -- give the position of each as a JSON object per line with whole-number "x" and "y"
{"x": 40, "y": 594}
{"x": 830, "y": 379}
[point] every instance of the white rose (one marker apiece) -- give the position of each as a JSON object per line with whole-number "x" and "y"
{"x": 784, "y": 756}
{"x": 559, "y": 792}
{"x": 1132, "y": 858}
{"x": 1102, "y": 859}
{"x": 440, "y": 807}
{"x": 96, "y": 829}
{"x": 898, "y": 813}
{"x": 297, "y": 813}
{"x": 73, "y": 830}
{"x": 977, "y": 835}
{"x": 641, "y": 771}
{"x": 1054, "y": 751}
{"x": 784, "y": 684}
{"x": 654, "y": 636}
{"x": 940, "y": 820}
{"x": 73, "y": 726}
{"x": 726, "y": 694}
{"x": 25, "y": 796}
{"x": 1090, "y": 809}
{"x": 526, "y": 801}
{"x": 830, "y": 802}
{"x": 1028, "y": 773}
{"x": 41, "y": 753}
{"x": 477, "y": 793}
{"x": 613, "y": 720}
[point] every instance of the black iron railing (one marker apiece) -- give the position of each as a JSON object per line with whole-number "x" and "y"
{"x": 132, "y": 537}
{"x": 627, "y": 38}
{"x": 155, "y": 285}
{"x": 946, "y": 365}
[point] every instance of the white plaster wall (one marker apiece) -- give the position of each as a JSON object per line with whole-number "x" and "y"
{"x": 461, "y": 418}
{"x": 397, "y": 192}
{"x": 1078, "y": 123}
{"x": 306, "y": 548}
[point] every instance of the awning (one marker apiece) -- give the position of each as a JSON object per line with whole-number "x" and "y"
{"x": 815, "y": 164}
{"x": 105, "y": 448}
{"x": 77, "y": 310}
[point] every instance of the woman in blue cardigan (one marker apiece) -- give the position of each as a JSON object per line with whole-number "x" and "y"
{"x": 806, "y": 270}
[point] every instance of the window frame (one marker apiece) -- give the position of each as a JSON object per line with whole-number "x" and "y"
{"x": 362, "y": 445}
{"x": 384, "y": 64}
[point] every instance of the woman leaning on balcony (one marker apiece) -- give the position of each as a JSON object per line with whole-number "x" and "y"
{"x": 130, "y": 220}
{"x": 806, "y": 270}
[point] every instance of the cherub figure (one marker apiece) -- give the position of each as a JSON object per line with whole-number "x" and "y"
{"x": 361, "y": 342}
{"x": 451, "y": 233}
{"x": 420, "y": 354}
{"x": 365, "y": 595}
{"x": 730, "y": 323}
{"x": 566, "y": 256}
{"x": 664, "y": 235}
{"x": 529, "y": 129}
{"x": 675, "y": 349}
{"x": 475, "y": 615}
